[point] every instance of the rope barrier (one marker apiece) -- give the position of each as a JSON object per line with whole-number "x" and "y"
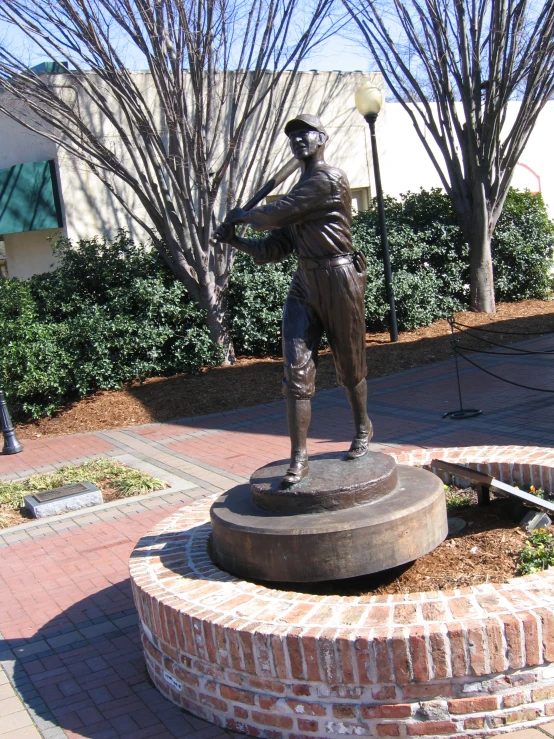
{"x": 497, "y": 353}
{"x": 512, "y": 351}
{"x": 492, "y": 374}
{"x": 453, "y": 322}
{"x": 515, "y": 349}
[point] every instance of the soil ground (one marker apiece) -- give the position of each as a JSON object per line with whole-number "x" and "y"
{"x": 253, "y": 381}
{"x": 486, "y": 550}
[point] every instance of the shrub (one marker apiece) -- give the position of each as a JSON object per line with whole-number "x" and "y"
{"x": 538, "y": 553}
{"x": 111, "y": 313}
{"x": 430, "y": 259}
{"x": 430, "y": 264}
{"x": 522, "y": 248}
{"x": 256, "y": 297}
{"x": 457, "y": 499}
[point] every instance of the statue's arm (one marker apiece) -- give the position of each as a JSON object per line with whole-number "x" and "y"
{"x": 306, "y": 201}
{"x": 274, "y": 247}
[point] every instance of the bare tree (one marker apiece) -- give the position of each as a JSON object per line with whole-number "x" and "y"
{"x": 187, "y": 141}
{"x": 454, "y": 65}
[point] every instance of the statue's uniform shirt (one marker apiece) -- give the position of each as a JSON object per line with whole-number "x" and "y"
{"x": 314, "y": 221}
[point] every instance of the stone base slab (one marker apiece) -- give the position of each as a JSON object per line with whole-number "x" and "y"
{"x": 396, "y": 528}
{"x": 333, "y": 482}
{"x": 278, "y": 663}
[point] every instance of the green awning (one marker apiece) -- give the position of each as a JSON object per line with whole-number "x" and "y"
{"x": 29, "y": 198}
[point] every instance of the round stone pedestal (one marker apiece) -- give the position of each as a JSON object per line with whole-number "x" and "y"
{"x": 332, "y": 483}
{"x": 348, "y": 518}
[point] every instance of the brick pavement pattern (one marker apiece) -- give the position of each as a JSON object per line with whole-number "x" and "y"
{"x": 70, "y": 647}
{"x": 71, "y": 641}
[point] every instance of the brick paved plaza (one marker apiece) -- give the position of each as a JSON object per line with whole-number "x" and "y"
{"x": 70, "y": 650}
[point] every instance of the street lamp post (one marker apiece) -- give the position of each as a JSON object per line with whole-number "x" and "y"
{"x": 11, "y": 443}
{"x": 369, "y": 100}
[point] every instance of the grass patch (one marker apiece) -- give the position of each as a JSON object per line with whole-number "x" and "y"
{"x": 457, "y": 499}
{"x": 111, "y": 477}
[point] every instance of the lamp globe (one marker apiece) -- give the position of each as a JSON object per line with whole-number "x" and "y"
{"x": 368, "y": 99}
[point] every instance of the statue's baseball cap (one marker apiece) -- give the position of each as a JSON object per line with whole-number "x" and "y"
{"x": 305, "y": 120}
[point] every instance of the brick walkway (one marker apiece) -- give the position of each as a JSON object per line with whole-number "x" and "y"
{"x": 72, "y": 664}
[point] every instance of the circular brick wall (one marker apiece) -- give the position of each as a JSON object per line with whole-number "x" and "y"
{"x": 474, "y": 661}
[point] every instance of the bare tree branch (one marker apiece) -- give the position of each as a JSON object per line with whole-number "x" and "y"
{"x": 174, "y": 137}
{"x": 459, "y": 64}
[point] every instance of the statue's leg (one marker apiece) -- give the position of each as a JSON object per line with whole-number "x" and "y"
{"x": 344, "y": 322}
{"x": 299, "y": 413}
{"x": 357, "y": 397}
{"x": 301, "y": 336}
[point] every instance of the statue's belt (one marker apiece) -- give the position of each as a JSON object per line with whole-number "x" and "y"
{"x": 338, "y": 261}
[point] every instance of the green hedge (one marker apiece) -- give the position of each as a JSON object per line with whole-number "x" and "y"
{"x": 113, "y": 311}
{"x": 428, "y": 258}
{"x": 522, "y": 245}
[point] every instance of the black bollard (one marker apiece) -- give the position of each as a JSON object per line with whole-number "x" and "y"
{"x": 11, "y": 443}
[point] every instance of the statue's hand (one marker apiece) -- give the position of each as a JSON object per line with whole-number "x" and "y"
{"x": 225, "y": 232}
{"x": 237, "y": 215}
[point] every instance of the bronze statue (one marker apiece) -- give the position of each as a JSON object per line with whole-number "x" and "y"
{"x": 327, "y": 291}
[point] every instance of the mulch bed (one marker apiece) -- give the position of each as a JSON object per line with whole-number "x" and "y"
{"x": 252, "y": 381}
{"x": 485, "y": 551}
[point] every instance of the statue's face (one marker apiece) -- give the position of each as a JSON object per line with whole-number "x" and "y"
{"x": 305, "y": 142}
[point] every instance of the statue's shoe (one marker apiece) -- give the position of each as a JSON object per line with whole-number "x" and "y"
{"x": 296, "y": 472}
{"x": 360, "y": 445}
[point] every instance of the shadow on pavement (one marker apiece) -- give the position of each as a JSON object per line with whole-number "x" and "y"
{"x": 84, "y": 672}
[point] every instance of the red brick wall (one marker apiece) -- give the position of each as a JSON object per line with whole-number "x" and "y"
{"x": 284, "y": 664}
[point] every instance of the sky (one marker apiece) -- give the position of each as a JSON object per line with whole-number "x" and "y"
{"x": 339, "y": 53}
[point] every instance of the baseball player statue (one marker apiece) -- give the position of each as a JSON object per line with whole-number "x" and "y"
{"x": 327, "y": 291}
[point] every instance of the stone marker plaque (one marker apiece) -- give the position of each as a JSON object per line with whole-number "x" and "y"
{"x": 63, "y": 492}
{"x": 70, "y": 497}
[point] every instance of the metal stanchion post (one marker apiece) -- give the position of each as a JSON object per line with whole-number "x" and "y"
{"x": 462, "y": 412}
{"x": 11, "y": 443}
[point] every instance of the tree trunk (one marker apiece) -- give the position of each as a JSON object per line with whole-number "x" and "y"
{"x": 213, "y": 301}
{"x": 479, "y": 236}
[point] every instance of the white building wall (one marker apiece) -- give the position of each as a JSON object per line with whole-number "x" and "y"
{"x": 20, "y": 146}
{"x": 406, "y": 166}
{"x": 30, "y": 253}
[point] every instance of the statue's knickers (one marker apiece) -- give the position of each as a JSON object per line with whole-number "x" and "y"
{"x": 330, "y": 300}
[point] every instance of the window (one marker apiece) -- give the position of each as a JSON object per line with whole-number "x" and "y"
{"x": 361, "y": 199}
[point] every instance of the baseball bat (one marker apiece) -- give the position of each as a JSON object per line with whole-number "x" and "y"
{"x": 280, "y": 176}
